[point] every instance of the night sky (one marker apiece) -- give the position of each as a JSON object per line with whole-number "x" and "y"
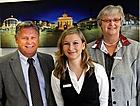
{"x": 50, "y": 10}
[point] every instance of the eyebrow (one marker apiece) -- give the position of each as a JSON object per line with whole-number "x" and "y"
{"x": 72, "y": 41}
{"x": 111, "y": 19}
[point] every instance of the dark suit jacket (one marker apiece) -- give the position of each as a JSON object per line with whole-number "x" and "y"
{"x": 12, "y": 85}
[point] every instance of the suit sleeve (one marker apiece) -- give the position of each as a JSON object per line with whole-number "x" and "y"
{"x": 2, "y": 92}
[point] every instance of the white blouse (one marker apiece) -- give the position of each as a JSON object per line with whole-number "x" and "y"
{"x": 101, "y": 77}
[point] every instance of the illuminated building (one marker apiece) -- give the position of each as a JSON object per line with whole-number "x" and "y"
{"x": 64, "y": 22}
{"x": 10, "y": 23}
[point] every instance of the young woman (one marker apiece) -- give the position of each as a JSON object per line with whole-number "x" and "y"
{"x": 76, "y": 79}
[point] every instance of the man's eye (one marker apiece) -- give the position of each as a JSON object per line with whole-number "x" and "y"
{"x": 25, "y": 38}
{"x": 33, "y": 38}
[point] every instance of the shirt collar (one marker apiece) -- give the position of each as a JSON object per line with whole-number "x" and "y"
{"x": 104, "y": 49}
{"x": 24, "y": 58}
{"x": 68, "y": 68}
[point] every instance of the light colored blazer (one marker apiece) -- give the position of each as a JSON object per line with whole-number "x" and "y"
{"x": 125, "y": 74}
{"x": 12, "y": 85}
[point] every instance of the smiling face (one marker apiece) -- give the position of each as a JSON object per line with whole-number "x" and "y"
{"x": 110, "y": 25}
{"x": 73, "y": 46}
{"x": 27, "y": 40}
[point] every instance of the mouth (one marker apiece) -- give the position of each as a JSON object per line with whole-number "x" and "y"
{"x": 71, "y": 52}
{"x": 111, "y": 28}
{"x": 29, "y": 46}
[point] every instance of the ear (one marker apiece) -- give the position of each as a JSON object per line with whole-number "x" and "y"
{"x": 100, "y": 23}
{"x": 101, "y": 28}
{"x": 15, "y": 38}
{"x": 83, "y": 46}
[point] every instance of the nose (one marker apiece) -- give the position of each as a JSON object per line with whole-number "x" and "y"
{"x": 70, "y": 46}
{"x": 111, "y": 22}
{"x": 29, "y": 40}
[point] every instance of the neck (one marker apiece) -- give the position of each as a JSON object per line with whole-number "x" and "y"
{"x": 74, "y": 63}
{"x": 111, "y": 38}
{"x": 76, "y": 68}
{"x": 110, "y": 44}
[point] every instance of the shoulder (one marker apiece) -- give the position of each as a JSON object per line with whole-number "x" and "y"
{"x": 92, "y": 46}
{"x": 45, "y": 56}
{"x": 99, "y": 70}
{"x": 54, "y": 77}
{"x": 9, "y": 57}
{"x": 99, "y": 67}
{"x": 134, "y": 43}
{"x": 133, "y": 47}
{"x": 91, "y": 43}
{"x": 54, "y": 80}
{"x": 46, "y": 59}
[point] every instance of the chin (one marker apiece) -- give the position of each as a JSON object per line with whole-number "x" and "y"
{"x": 30, "y": 54}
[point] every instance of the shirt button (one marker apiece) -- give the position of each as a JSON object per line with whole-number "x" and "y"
{"x": 113, "y": 90}
{"x": 112, "y": 78}
{"x": 114, "y": 102}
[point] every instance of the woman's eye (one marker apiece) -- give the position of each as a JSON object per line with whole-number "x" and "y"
{"x": 66, "y": 43}
{"x": 75, "y": 43}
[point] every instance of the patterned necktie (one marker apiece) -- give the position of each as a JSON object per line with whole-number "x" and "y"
{"x": 34, "y": 84}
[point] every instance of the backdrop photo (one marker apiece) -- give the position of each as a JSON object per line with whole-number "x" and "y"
{"x": 54, "y": 16}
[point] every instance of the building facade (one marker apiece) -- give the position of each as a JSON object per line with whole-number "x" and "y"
{"x": 64, "y": 22}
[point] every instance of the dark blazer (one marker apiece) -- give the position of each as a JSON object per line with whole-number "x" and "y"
{"x": 12, "y": 85}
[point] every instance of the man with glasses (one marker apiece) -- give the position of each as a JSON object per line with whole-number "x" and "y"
{"x": 120, "y": 56}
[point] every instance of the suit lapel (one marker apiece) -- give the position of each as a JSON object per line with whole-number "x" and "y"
{"x": 17, "y": 70}
{"x": 45, "y": 71}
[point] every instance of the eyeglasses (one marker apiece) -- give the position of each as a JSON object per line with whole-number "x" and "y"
{"x": 115, "y": 20}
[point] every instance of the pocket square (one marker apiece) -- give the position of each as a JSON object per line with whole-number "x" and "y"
{"x": 66, "y": 85}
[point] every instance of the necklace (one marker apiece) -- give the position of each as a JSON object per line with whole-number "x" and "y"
{"x": 110, "y": 44}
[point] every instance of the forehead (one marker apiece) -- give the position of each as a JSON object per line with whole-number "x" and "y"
{"x": 111, "y": 17}
{"x": 111, "y": 13}
{"x": 27, "y": 30}
{"x": 72, "y": 37}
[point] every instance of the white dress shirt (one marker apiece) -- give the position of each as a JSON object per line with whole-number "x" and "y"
{"x": 25, "y": 66}
{"x": 102, "y": 81}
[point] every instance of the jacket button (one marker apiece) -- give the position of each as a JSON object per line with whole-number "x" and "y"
{"x": 112, "y": 78}
{"x": 113, "y": 90}
{"x": 114, "y": 102}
